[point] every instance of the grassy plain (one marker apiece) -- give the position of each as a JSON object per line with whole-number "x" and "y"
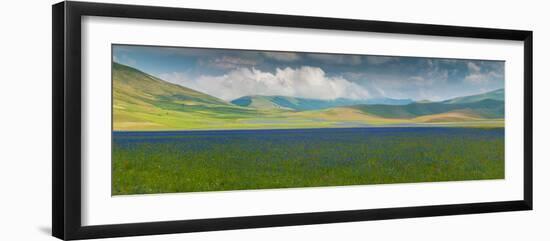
{"x": 196, "y": 161}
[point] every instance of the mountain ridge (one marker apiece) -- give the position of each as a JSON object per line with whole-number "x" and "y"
{"x": 497, "y": 94}
{"x": 486, "y": 108}
{"x": 301, "y": 104}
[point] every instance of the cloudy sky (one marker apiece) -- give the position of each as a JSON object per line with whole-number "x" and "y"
{"x": 230, "y": 74}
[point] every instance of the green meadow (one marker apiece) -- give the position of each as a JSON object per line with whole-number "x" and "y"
{"x": 167, "y": 162}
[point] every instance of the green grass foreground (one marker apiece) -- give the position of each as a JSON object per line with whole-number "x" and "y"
{"x": 196, "y": 162}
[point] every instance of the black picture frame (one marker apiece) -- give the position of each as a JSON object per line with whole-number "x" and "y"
{"x": 66, "y": 75}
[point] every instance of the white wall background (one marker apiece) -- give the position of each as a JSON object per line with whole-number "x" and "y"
{"x": 25, "y": 123}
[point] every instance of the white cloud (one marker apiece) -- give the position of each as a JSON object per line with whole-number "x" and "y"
{"x": 305, "y": 82}
{"x": 418, "y": 79}
{"x": 179, "y": 78}
{"x": 285, "y": 57}
{"x": 482, "y": 78}
{"x": 476, "y": 76}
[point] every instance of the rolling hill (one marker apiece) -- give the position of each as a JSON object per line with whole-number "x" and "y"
{"x": 301, "y": 104}
{"x": 144, "y": 102}
{"x": 486, "y": 108}
{"x": 492, "y": 95}
{"x": 132, "y": 85}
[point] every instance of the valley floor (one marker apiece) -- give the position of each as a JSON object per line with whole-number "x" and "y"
{"x": 196, "y": 161}
{"x": 254, "y": 119}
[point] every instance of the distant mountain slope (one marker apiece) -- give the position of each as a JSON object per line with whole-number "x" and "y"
{"x": 388, "y": 101}
{"x": 264, "y": 102}
{"x": 452, "y": 116}
{"x": 132, "y": 83}
{"x": 486, "y": 108}
{"x": 142, "y": 101}
{"x": 301, "y": 104}
{"x": 492, "y": 95}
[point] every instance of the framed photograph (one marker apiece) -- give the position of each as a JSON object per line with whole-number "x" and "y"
{"x": 169, "y": 120}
